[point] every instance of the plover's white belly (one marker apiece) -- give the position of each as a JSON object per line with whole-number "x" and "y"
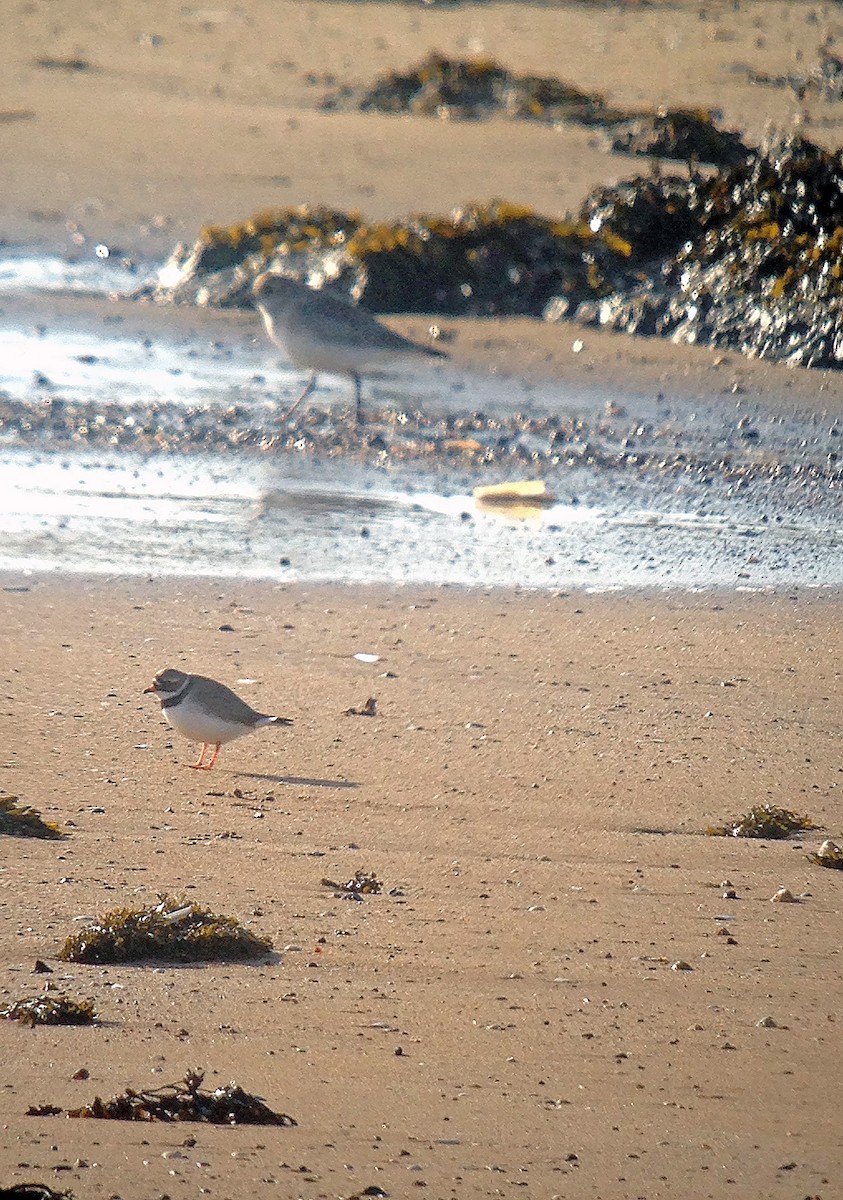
{"x": 198, "y": 725}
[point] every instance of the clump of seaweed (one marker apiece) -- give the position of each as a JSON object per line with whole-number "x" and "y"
{"x": 828, "y": 855}
{"x": 50, "y": 1010}
{"x": 33, "y": 1191}
{"x": 763, "y": 821}
{"x": 683, "y": 134}
{"x": 170, "y": 931}
{"x": 362, "y": 883}
{"x": 469, "y": 89}
{"x": 19, "y": 820}
{"x": 490, "y": 259}
{"x": 183, "y": 1101}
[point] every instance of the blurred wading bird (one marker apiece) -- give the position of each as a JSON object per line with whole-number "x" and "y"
{"x": 321, "y": 332}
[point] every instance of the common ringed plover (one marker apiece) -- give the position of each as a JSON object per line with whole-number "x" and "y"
{"x": 322, "y": 332}
{"x": 206, "y": 711}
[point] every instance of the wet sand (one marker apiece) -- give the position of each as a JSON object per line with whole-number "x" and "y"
{"x": 218, "y": 117}
{"x": 532, "y": 793}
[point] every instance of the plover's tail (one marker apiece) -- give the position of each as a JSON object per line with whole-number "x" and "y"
{"x": 274, "y": 721}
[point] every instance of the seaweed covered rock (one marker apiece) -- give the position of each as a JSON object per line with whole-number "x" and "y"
{"x": 170, "y": 931}
{"x": 763, "y": 274}
{"x": 681, "y": 134}
{"x": 470, "y": 89}
{"x": 749, "y": 258}
{"x": 218, "y": 269}
{"x": 654, "y": 216}
{"x": 492, "y": 259}
{"x": 480, "y": 260}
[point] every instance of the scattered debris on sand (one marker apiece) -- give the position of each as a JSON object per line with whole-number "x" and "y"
{"x": 19, "y": 820}
{"x": 50, "y": 1010}
{"x": 763, "y": 821}
{"x": 183, "y": 1101}
{"x": 362, "y": 883}
{"x": 828, "y": 855}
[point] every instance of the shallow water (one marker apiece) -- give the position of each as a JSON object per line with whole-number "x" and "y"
{"x": 134, "y": 446}
{"x": 243, "y": 517}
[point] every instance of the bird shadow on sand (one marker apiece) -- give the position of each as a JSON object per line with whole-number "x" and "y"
{"x": 298, "y": 780}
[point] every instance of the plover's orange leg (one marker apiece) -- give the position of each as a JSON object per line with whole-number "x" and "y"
{"x": 213, "y": 756}
{"x": 198, "y": 765}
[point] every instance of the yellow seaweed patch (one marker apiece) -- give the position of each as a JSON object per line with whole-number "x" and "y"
{"x": 19, "y": 820}
{"x": 172, "y": 930}
{"x": 763, "y": 821}
{"x": 50, "y": 1010}
{"x": 532, "y": 491}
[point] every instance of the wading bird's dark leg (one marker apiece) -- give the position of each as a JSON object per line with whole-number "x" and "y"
{"x": 358, "y": 401}
{"x": 311, "y": 384}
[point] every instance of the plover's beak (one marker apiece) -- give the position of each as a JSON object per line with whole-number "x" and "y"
{"x": 151, "y": 688}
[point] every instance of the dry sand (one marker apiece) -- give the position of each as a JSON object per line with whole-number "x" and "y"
{"x": 533, "y": 794}
{"x": 189, "y": 115}
{"x": 535, "y": 786}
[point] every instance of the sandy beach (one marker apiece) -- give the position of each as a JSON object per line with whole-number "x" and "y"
{"x": 533, "y": 794}
{"x": 565, "y": 989}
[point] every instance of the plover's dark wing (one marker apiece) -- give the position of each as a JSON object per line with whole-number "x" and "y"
{"x": 222, "y": 702}
{"x": 341, "y": 324}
